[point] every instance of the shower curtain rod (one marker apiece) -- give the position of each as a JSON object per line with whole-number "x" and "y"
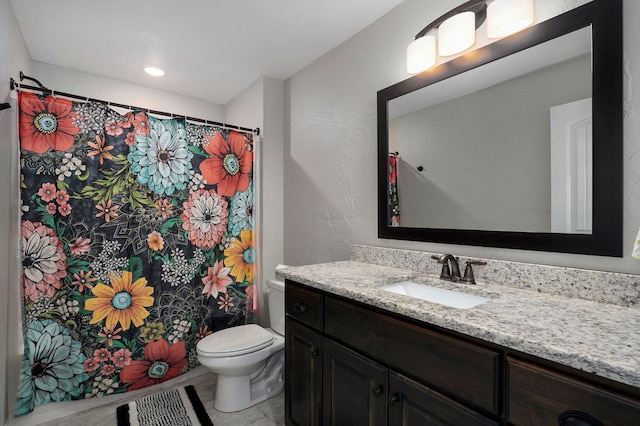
{"x": 17, "y": 86}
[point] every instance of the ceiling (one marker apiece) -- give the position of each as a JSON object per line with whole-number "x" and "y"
{"x": 210, "y": 49}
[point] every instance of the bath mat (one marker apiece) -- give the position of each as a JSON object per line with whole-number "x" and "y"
{"x": 175, "y": 407}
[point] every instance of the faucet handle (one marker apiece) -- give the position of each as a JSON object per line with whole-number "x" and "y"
{"x": 468, "y": 271}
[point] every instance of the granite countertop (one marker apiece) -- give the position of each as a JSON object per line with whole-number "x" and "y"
{"x": 595, "y": 337}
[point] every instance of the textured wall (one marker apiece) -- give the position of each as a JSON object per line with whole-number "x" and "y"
{"x": 330, "y": 153}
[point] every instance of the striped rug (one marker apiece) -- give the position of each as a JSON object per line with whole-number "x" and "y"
{"x": 175, "y": 407}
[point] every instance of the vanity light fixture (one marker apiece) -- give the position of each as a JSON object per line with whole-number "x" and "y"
{"x": 421, "y": 54}
{"x": 455, "y": 31}
{"x": 154, "y": 71}
{"x": 505, "y": 17}
{"x": 457, "y": 34}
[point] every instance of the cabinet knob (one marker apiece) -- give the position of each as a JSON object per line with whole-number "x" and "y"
{"x": 393, "y": 398}
{"x": 300, "y": 307}
{"x": 577, "y": 418}
{"x": 315, "y": 353}
{"x": 379, "y": 391}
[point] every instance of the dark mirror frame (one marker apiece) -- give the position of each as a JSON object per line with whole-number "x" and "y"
{"x": 605, "y": 17}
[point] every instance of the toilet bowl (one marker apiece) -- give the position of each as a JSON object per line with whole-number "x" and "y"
{"x": 247, "y": 359}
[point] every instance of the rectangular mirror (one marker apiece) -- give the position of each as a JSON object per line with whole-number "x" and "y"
{"x": 517, "y": 144}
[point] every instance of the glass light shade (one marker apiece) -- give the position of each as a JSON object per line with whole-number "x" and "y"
{"x": 457, "y": 34}
{"x": 505, "y": 17}
{"x": 421, "y": 54}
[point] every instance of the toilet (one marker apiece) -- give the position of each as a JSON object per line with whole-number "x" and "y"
{"x": 248, "y": 359}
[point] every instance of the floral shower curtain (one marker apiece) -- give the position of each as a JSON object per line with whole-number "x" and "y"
{"x": 393, "y": 204}
{"x": 137, "y": 240}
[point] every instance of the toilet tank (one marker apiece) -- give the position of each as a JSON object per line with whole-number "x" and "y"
{"x": 275, "y": 300}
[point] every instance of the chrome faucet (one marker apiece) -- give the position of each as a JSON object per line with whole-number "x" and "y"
{"x": 450, "y": 268}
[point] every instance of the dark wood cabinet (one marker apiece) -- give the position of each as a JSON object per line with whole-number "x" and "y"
{"x": 413, "y": 404}
{"x": 354, "y": 388}
{"x": 539, "y": 396}
{"x": 347, "y": 363}
{"x": 304, "y": 305}
{"x": 467, "y": 371}
{"x": 344, "y": 365}
{"x": 303, "y": 375}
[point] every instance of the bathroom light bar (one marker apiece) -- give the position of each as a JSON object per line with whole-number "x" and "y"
{"x": 455, "y": 31}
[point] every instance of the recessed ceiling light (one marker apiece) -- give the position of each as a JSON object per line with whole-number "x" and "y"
{"x": 154, "y": 71}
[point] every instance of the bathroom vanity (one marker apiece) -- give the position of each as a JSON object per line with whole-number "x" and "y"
{"x": 356, "y": 354}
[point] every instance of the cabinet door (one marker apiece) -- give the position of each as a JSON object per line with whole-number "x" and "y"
{"x": 354, "y": 388}
{"x": 413, "y": 404}
{"x": 303, "y": 375}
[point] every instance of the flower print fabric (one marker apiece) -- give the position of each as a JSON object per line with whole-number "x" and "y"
{"x": 123, "y": 303}
{"x": 161, "y": 159}
{"x": 43, "y": 261}
{"x": 52, "y": 367}
{"x": 241, "y": 256}
{"x": 137, "y": 241}
{"x": 230, "y": 164}
{"x": 393, "y": 203}
{"x": 205, "y": 218}
{"x": 45, "y": 124}
{"x": 242, "y": 216}
{"x": 161, "y": 362}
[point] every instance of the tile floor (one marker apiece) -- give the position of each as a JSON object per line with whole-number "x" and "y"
{"x": 268, "y": 413}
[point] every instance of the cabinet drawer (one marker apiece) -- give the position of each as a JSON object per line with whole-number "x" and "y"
{"x": 303, "y": 304}
{"x": 537, "y": 396}
{"x": 462, "y": 370}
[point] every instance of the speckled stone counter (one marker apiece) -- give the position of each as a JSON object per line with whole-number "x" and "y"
{"x": 596, "y": 337}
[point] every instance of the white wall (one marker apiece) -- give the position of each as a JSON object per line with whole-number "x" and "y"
{"x": 14, "y": 57}
{"x": 94, "y": 86}
{"x": 330, "y": 150}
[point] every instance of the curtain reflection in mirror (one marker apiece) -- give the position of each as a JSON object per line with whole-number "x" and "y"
{"x": 393, "y": 206}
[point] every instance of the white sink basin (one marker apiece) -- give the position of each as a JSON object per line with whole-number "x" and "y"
{"x": 454, "y": 299}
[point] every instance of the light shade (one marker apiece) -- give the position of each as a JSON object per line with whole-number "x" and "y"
{"x": 421, "y": 54}
{"x": 505, "y": 17}
{"x": 457, "y": 34}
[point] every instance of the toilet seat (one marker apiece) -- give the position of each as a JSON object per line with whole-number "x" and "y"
{"x": 235, "y": 341}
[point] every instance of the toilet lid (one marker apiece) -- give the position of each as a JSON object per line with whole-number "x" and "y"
{"x": 238, "y": 340}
